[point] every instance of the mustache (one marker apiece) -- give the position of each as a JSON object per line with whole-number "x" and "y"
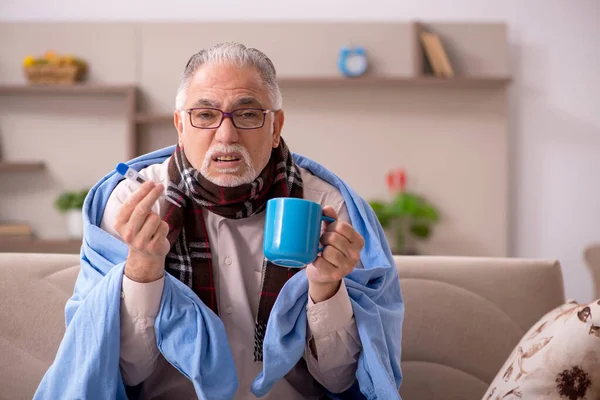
{"x": 231, "y": 148}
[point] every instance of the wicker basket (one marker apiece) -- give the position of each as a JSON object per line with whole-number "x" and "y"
{"x": 46, "y": 74}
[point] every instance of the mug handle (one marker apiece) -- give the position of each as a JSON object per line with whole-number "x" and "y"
{"x": 328, "y": 219}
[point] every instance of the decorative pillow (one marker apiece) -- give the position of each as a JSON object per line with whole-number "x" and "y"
{"x": 558, "y": 359}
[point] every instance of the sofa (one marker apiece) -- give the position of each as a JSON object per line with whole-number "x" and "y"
{"x": 463, "y": 318}
{"x": 591, "y": 255}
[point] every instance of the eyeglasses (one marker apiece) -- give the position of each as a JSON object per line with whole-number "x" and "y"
{"x": 212, "y": 118}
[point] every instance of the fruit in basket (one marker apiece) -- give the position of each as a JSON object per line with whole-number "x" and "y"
{"x": 54, "y": 68}
{"x": 29, "y": 61}
{"x": 52, "y": 58}
{"x": 54, "y": 61}
{"x": 68, "y": 60}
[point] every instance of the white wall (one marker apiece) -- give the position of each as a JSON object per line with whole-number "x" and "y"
{"x": 555, "y": 100}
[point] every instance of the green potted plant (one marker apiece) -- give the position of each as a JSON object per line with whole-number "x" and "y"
{"x": 408, "y": 217}
{"x": 70, "y": 204}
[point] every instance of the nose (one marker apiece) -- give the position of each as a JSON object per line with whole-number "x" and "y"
{"x": 226, "y": 133}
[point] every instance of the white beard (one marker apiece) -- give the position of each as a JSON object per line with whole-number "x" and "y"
{"x": 228, "y": 179}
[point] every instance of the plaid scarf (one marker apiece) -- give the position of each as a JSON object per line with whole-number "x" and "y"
{"x": 189, "y": 259}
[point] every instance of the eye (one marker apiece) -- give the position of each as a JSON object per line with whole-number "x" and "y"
{"x": 205, "y": 115}
{"x": 249, "y": 114}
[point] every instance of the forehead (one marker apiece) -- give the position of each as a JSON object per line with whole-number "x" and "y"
{"x": 224, "y": 85}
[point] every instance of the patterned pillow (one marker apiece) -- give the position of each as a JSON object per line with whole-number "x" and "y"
{"x": 558, "y": 359}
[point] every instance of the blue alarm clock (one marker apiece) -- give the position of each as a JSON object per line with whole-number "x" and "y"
{"x": 353, "y": 61}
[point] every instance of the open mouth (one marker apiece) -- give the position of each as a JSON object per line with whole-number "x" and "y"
{"x": 226, "y": 158}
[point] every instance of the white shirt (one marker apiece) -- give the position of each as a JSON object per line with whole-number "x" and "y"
{"x": 236, "y": 247}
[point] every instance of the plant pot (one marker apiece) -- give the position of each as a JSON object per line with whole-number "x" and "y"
{"x": 405, "y": 247}
{"x": 74, "y": 224}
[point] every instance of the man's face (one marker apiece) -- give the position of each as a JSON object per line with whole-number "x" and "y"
{"x": 228, "y": 156}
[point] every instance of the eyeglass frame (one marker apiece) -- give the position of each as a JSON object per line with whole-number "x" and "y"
{"x": 225, "y": 114}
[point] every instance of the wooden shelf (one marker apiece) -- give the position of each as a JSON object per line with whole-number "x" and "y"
{"x": 31, "y": 245}
{"x": 25, "y": 166}
{"x": 83, "y": 88}
{"x": 459, "y": 82}
{"x": 325, "y": 81}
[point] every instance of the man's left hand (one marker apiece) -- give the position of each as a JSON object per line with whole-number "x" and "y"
{"x": 341, "y": 254}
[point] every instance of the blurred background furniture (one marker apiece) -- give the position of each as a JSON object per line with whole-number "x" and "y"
{"x": 390, "y": 115}
{"x": 463, "y": 317}
{"x": 591, "y": 256}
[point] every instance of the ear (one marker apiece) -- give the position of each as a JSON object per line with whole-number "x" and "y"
{"x": 277, "y": 127}
{"x": 178, "y": 121}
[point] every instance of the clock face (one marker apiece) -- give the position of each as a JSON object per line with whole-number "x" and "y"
{"x": 356, "y": 63}
{"x": 353, "y": 61}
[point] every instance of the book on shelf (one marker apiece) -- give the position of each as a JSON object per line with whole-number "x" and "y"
{"x": 15, "y": 230}
{"x": 436, "y": 54}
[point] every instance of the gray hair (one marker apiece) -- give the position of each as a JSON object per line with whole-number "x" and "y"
{"x": 231, "y": 53}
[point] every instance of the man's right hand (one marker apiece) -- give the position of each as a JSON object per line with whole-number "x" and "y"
{"x": 145, "y": 233}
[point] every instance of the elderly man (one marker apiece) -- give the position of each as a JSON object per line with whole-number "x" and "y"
{"x": 230, "y": 152}
{"x": 224, "y": 322}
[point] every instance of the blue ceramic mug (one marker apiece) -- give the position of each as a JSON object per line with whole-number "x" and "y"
{"x": 292, "y": 231}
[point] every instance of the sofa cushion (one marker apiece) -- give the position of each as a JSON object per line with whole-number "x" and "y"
{"x": 464, "y": 316}
{"x": 33, "y": 292}
{"x": 557, "y": 359}
{"x": 442, "y": 295}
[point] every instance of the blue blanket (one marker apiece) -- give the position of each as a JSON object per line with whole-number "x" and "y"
{"x": 87, "y": 362}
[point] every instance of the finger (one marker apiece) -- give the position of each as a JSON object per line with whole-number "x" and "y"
{"x": 328, "y": 271}
{"x": 147, "y": 230}
{"x": 338, "y": 241}
{"x": 329, "y": 211}
{"x": 334, "y": 257}
{"x": 162, "y": 232}
{"x": 129, "y": 205}
{"x": 160, "y": 235}
{"x": 144, "y": 207}
{"x": 346, "y": 230}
